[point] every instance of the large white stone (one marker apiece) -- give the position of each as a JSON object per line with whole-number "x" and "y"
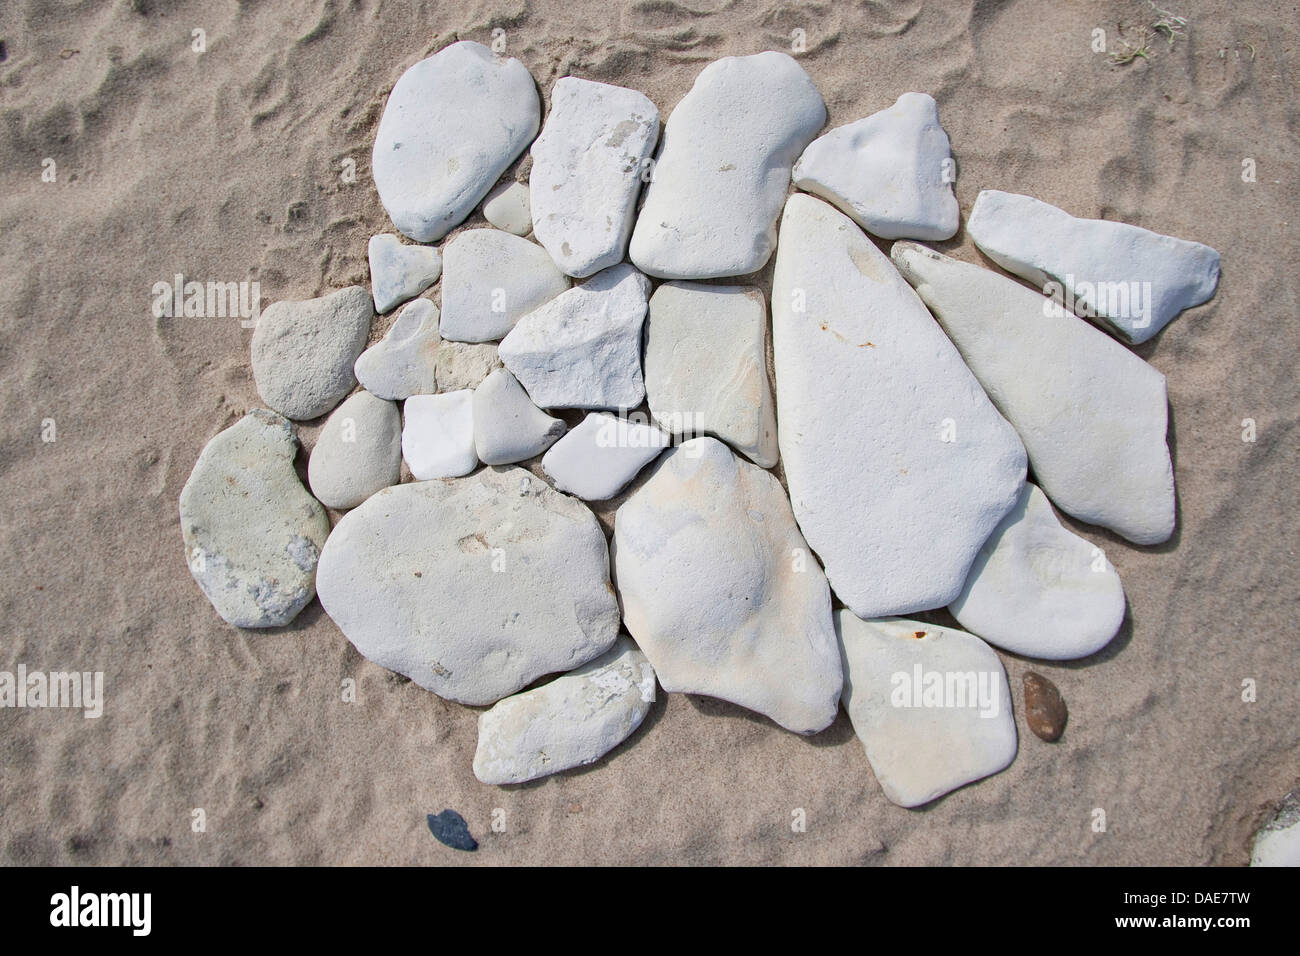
{"x": 438, "y": 436}
{"x": 508, "y": 207}
{"x": 252, "y": 532}
{"x": 572, "y": 721}
{"x": 586, "y": 175}
{"x": 491, "y": 278}
{"x": 508, "y": 427}
{"x": 1040, "y": 590}
{"x": 583, "y": 348}
{"x": 404, "y": 361}
{"x": 706, "y": 366}
{"x": 602, "y": 454}
{"x": 720, "y": 591}
{"x": 930, "y": 705}
{"x": 472, "y": 587}
{"x": 1133, "y": 279}
{"x": 453, "y": 123}
{"x": 891, "y": 173}
{"x": 358, "y": 452}
{"x": 1092, "y": 414}
{"x": 724, "y": 168}
{"x": 899, "y": 467}
{"x": 399, "y": 272}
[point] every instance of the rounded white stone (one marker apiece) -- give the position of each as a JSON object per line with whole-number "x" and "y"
{"x": 358, "y": 452}
{"x": 399, "y": 272}
{"x": 490, "y": 279}
{"x": 403, "y": 362}
{"x": 508, "y": 427}
{"x": 508, "y": 207}
{"x": 602, "y": 454}
{"x": 438, "y": 436}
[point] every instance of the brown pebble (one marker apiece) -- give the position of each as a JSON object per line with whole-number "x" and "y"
{"x": 1044, "y": 708}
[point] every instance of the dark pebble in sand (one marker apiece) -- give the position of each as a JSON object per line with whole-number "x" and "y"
{"x": 451, "y": 830}
{"x": 1044, "y": 709}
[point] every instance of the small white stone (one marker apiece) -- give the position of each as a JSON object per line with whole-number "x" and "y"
{"x": 507, "y": 208}
{"x": 491, "y": 278}
{"x": 892, "y": 172}
{"x": 586, "y": 175}
{"x": 930, "y": 705}
{"x": 706, "y": 366}
{"x": 508, "y": 427}
{"x": 399, "y": 272}
{"x": 403, "y": 362}
{"x": 583, "y": 348}
{"x": 1278, "y": 842}
{"x": 452, "y": 125}
{"x": 465, "y": 364}
{"x": 602, "y": 454}
{"x": 358, "y": 452}
{"x": 570, "y": 722}
{"x": 1135, "y": 280}
{"x": 438, "y": 437}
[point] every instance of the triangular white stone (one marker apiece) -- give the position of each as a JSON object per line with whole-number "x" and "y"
{"x": 399, "y": 272}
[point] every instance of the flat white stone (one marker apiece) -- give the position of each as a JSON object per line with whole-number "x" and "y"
{"x": 1133, "y": 279}
{"x": 508, "y": 427}
{"x": 1278, "y": 842}
{"x": 302, "y": 352}
{"x": 891, "y": 173}
{"x": 508, "y": 207}
{"x": 466, "y": 364}
{"x": 473, "y": 588}
{"x": 491, "y": 278}
{"x": 583, "y": 348}
{"x": 570, "y": 722}
{"x": 438, "y": 437}
{"x": 899, "y": 467}
{"x": 358, "y": 452}
{"x": 452, "y": 125}
{"x": 602, "y": 454}
{"x": 252, "y": 532}
{"x": 399, "y": 272}
{"x": 706, "y": 366}
{"x": 404, "y": 361}
{"x": 930, "y": 705}
{"x": 724, "y": 168}
{"x": 1092, "y": 414}
{"x": 586, "y": 175}
{"x": 1040, "y": 590}
{"x": 720, "y": 591}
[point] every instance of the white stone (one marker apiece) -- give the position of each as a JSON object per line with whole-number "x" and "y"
{"x": 1092, "y": 414}
{"x": 453, "y": 123}
{"x": 1039, "y": 590}
{"x": 570, "y": 722}
{"x": 706, "y": 366}
{"x": 491, "y": 278}
{"x": 302, "y": 352}
{"x": 891, "y": 173}
{"x": 1278, "y": 842}
{"x": 252, "y": 532}
{"x": 724, "y": 168}
{"x": 583, "y": 348}
{"x": 587, "y": 168}
{"x": 720, "y": 591}
{"x": 358, "y": 452}
{"x": 898, "y": 466}
{"x": 473, "y": 588}
{"x": 602, "y": 454}
{"x": 1134, "y": 280}
{"x": 404, "y": 361}
{"x": 930, "y": 705}
{"x": 399, "y": 272}
{"x": 508, "y": 207}
{"x": 438, "y": 437}
{"x": 508, "y": 427}
{"x": 466, "y": 364}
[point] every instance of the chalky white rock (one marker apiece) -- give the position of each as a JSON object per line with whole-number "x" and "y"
{"x": 602, "y": 454}
{"x": 1133, "y": 279}
{"x": 724, "y": 168}
{"x": 583, "y": 348}
{"x": 587, "y": 171}
{"x": 1278, "y": 842}
{"x": 252, "y": 532}
{"x": 508, "y": 427}
{"x": 399, "y": 272}
{"x": 930, "y": 705}
{"x": 438, "y": 436}
{"x": 570, "y": 722}
{"x": 358, "y": 452}
{"x": 719, "y": 589}
{"x": 491, "y": 278}
{"x": 1092, "y": 414}
{"x": 466, "y": 364}
{"x": 508, "y": 207}
{"x": 472, "y": 588}
{"x": 453, "y": 123}
{"x": 899, "y": 467}
{"x": 404, "y": 361}
{"x": 891, "y": 173}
